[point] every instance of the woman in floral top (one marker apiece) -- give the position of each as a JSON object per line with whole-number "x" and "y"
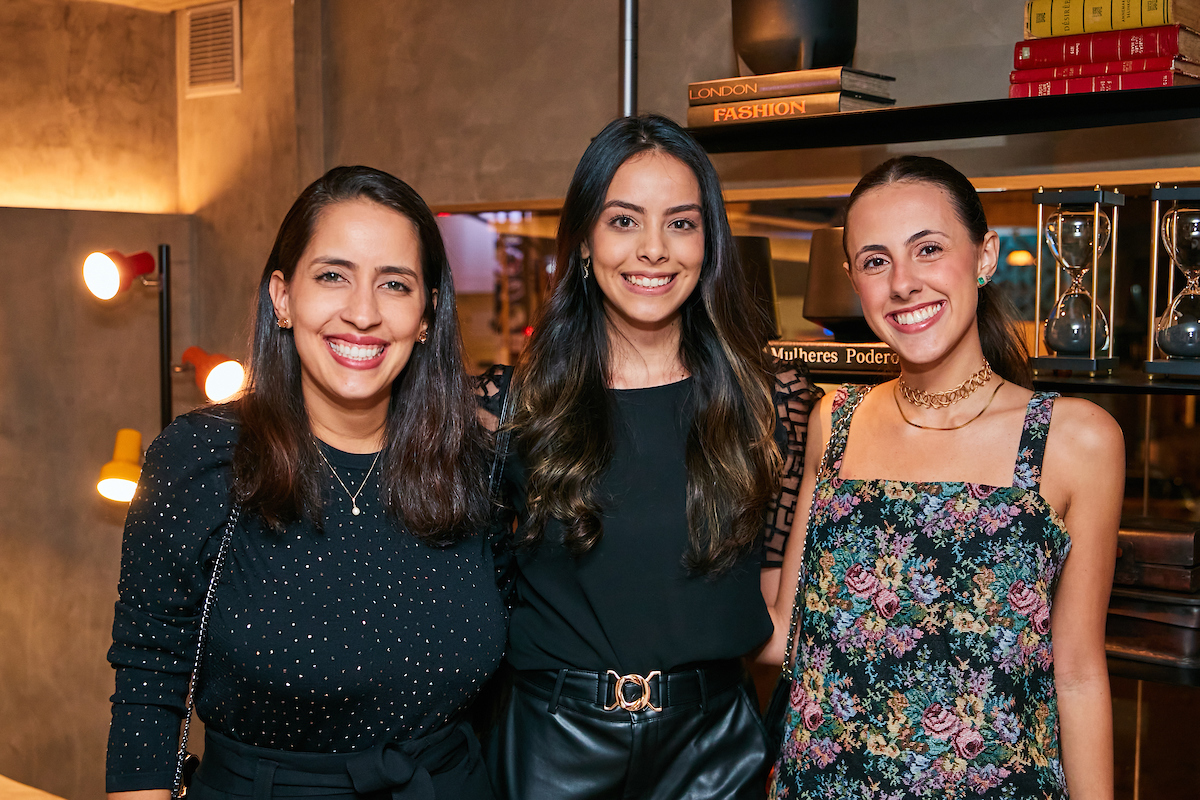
{"x": 960, "y": 537}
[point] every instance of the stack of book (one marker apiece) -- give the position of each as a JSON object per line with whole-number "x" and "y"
{"x": 785, "y": 95}
{"x": 1079, "y": 46}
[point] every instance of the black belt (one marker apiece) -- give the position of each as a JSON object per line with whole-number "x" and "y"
{"x": 653, "y": 692}
{"x": 401, "y": 769}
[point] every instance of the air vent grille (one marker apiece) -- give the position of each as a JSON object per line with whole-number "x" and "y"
{"x": 213, "y": 35}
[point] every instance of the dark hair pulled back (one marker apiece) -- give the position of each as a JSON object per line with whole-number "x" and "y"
{"x": 999, "y": 337}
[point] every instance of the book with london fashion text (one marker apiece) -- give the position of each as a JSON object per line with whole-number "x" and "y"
{"x": 785, "y": 84}
{"x": 708, "y": 116}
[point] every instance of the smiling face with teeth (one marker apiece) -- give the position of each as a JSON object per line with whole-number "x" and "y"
{"x": 647, "y": 247}
{"x": 916, "y": 271}
{"x": 356, "y": 303}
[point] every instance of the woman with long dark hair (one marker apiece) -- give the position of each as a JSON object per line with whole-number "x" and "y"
{"x": 956, "y": 537}
{"x": 355, "y": 611}
{"x": 651, "y": 434}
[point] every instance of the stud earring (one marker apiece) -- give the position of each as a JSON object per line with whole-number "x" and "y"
{"x": 982, "y": 281}
{"x": 424, "y": 337}
{"x": 284, "y": 324}
{"x": 587, "y": 262}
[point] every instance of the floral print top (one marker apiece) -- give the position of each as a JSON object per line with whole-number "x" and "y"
{"x": 924, "y": 665}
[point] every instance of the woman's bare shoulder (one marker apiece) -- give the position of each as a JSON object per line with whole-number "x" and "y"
{"x": 1085, "y": 430}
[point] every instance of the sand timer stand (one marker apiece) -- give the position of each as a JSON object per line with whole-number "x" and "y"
{"x": 1076, "y": 333}
{"x": 1173, "y": 342}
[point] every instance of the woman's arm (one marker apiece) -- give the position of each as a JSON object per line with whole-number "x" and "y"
{"x": 182, "y": 500}
{"x": 779, "y": 588}
{"x": 1085, "y": 455}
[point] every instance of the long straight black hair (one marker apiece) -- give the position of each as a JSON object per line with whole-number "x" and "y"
{"x": 563, "y": 419}
{"x": 434, "y": 452}
{"x": 1002, "y": 344}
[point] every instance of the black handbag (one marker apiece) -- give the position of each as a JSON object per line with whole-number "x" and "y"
{"x": 185, "y": 762}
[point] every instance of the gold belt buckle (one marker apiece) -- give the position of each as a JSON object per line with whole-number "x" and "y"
{"x": 637, "y": 704}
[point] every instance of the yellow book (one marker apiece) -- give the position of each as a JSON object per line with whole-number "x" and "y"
{"x": 1049, "y": 18}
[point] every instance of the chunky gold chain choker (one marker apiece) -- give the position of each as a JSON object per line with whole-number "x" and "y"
{"x": 949, "y": 397}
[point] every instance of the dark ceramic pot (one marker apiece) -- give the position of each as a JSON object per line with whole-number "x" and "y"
{"x": 782, "y": 35}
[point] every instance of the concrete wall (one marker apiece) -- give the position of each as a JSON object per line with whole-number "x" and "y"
{"x": 479, "y": 101}
{"x": 87, "y": 107}
{"x": 469, "y": 101}
{"x": 74, "y": 370}
{"x": 238, "y": 174}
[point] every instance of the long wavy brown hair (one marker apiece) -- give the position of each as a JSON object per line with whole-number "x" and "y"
{"x": 563, "y": 417}
{"x": 435, "y": 450}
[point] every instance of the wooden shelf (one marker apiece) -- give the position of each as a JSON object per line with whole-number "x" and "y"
{"x": 1158, "y": 673}
{"x": 957, "y": 120}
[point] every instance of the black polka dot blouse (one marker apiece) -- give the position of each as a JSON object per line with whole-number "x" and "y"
{"x": 319, "y": 642}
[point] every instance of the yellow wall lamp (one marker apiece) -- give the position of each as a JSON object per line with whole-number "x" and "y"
{"x": 218, "y": 376}
{"x": 119, "y": 477}
{"x": 107, "y": 274}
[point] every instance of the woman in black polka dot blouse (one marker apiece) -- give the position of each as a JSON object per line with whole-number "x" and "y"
{"x": 356, "y": 613}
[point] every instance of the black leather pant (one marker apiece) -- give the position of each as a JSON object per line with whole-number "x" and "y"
{"x": 714, "y": 750}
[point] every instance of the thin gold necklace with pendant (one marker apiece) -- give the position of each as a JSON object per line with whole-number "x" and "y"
{"x": 896, "y": 396}
{"x": 354, "y": 509}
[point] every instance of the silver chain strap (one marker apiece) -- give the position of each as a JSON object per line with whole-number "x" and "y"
{"x": 178, "y": 788}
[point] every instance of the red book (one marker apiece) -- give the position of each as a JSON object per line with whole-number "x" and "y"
{"x": 1092, "y": 70}
{"x": 1094, "y": 48}
{"x": 1101, "y": 83}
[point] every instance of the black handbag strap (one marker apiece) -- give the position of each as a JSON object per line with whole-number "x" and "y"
{"x": 503, "y": 433}
{"x": 206, "y": 612}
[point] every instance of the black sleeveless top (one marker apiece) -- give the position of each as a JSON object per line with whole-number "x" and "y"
{"x": 630, "y": 604}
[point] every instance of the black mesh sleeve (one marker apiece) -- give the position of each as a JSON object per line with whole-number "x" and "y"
{"x": 795, "y": 397}
{"x": 492, "y": 389}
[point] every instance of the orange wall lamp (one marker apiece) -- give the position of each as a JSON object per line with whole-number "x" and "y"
{"x": 219, "y": 377}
